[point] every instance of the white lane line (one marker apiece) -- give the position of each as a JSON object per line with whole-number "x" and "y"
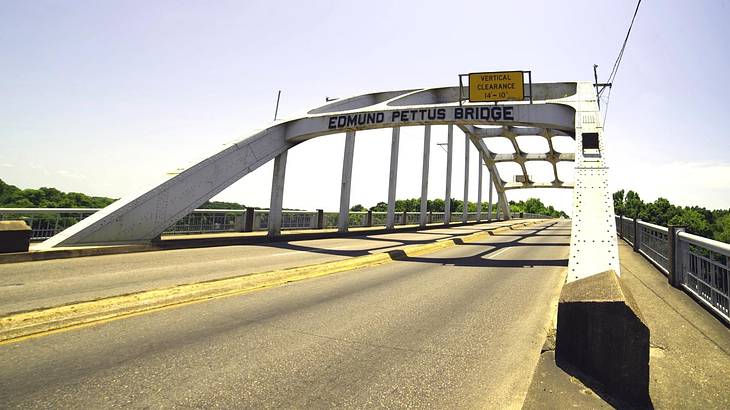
{"x": 498, "y": 253}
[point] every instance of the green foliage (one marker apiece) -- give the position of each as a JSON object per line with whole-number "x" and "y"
{"x": 535, "y": 206}
{"x": 357, "y": 208}
{"x": 14, "y": 197}
{"x": 222, "y": 205}
{"x": 714, "y": 224}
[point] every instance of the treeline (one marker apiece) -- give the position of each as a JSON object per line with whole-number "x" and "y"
{"x": 532, "y": 205}
{"x": 13, "y": 197}
{"x": 535, "y": 206}
{"x": 713, "y": 224}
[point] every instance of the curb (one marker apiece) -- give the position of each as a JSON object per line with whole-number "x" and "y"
{"x": 17, "y": 326}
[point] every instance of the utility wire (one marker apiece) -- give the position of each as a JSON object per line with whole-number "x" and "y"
{"x": 617, "y": 63}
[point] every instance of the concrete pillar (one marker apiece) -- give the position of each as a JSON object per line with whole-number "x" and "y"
{"x": 393, "y": 178}
{"x": 277, "y": 194}
{"x": 465, "y": 210}
{"x": 491, "y": 186}
{"x": 343, "y": 222}
{"x": 479, "y": 189}
{"x": 405, "y": 218}
{"x": 498, "y": 208}
{"x": 320, "y": 218}
{"x": 430, "y": 216}
{"x": 449, "y": 163}
{"x": 248, "y": 220}
{"x": 424, "y": 174}
{"x": 370, "y": 218}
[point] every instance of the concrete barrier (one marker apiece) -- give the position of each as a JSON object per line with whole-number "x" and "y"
{"x": 602, "y": 335}
{"x": 14, "y": 236}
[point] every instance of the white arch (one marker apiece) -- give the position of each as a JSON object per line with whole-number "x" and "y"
{"x": 558, "y": 109}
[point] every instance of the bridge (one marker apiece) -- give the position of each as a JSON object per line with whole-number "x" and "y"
{"x": 425, "y": 309}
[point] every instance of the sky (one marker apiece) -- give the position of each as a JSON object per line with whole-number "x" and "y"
{"x": 107, "y": 97}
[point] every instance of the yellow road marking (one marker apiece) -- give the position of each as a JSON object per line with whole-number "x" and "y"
{"x": 41, "y": 322}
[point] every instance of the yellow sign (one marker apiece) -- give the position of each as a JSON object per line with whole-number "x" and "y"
{"x": 496, "y": 86}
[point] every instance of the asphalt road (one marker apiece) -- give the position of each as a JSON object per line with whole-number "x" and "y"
{"x": 459, "y": 328}
{"x": 33, "y": 285}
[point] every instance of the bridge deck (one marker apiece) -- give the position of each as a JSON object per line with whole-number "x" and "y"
{"x": 32, "y": 285}
{"x": 461, "y": 327}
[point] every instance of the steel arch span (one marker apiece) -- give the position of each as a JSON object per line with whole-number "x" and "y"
{"x": 568, "y": 108}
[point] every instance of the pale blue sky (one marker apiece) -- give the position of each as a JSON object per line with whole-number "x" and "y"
{"x": 105, "y": 96}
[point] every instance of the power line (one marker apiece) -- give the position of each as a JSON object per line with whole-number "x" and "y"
{"x": 617, "y": 64}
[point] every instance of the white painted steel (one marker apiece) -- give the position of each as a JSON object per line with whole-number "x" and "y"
{"x": 593, "y": 245}
{"x": 349, "y": 153}
{"x": 479, "y": 187}
{"x": 424, "y": 174}
{"x": 393, "y": 177}
{"x": 277, "y": 194}
{"x": 449, "y": 166}
{"x": 465, "y": 207}
{"x": 559, "y": 109}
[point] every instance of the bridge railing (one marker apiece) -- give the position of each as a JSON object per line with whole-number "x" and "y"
{"x": 46, "y": 222}
{"x": 699, "y": 265}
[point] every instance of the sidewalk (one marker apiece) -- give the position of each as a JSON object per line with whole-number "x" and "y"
{"x": 689, "y": 357}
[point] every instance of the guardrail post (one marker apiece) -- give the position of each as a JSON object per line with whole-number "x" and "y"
{"x": 369, "y": 222}
{"x": 320, "y": 218}
{"x": 430, "y": 216}
{"x": 620, "y": 227}
{"x": 248, "y": 220}
{"x": 637, "y": 236}
{"x": 405, "y": 217}
{"x": 675, "y": 264}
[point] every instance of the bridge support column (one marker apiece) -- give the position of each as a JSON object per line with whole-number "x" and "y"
{"x": 491, "y": 188}
{"x": 277, "y": 194}
{"x": 465, "y": 206}
{"x": 343, "y": 222}
{"x": 424, "y": 174}
{"x": 479, "y": 188}
{"x": 449, "y": 163}
{"x": 393, "y": 178}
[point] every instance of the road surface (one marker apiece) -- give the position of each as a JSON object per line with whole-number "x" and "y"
{"x": 458, "y": 328}
{"x": 39, "y": 284}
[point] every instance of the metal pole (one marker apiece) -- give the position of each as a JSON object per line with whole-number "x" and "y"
{"x": 479, "y": 189}
{"x": 276, "y": 112}
{"x": 449, "y": 163}
{"x": 490, "y": 196}
{"x": 424, "y": 174}
{"x": 394, "y": 142}
{"x": 277, "y": 194}
{"x": 344, "y": 218}
{"x": 465, "y": 210}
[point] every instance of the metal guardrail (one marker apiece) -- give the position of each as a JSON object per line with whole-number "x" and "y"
{"x": 699, "y": 265}
{"x": 46, "y": 222}
{"x": 705, "y": 270}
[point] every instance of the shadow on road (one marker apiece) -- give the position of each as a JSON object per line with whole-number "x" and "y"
{"x": 513, "y": 238}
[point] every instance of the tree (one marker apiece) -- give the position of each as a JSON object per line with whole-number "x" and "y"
{"x": 618, "y": 202}
{"x": 633, "y": 204}
{"x": 722, "y": 229}
{"x": 357, "y": 208}
{"x": 693, "y": 220}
